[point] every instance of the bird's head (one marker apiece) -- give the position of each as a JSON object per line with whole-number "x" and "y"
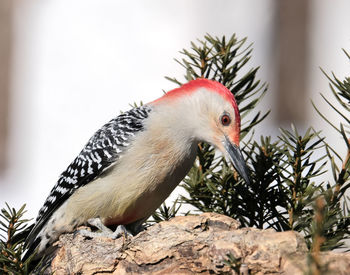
{"x": 206, "y": 110}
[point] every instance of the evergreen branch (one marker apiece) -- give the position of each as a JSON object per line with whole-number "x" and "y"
{"x": 283, "y": 193}
{"x": 11, "y": 244}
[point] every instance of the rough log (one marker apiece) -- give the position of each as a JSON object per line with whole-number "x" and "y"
{"x": 191, "y": 245}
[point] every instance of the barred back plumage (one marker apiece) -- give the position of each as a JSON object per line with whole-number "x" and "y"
{"x": 102, "y": 150}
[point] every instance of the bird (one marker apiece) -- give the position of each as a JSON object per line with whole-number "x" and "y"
{"x": 132, "y": 163}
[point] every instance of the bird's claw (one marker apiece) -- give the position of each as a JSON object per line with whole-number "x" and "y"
{"x": 104, "y": 231}
{"x": 121, "y": 231}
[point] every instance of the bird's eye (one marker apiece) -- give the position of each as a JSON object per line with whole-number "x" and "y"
{"x": 225, "y": 120}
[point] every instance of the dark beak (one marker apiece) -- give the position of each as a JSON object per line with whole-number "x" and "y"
{"x": 237, "y": 160}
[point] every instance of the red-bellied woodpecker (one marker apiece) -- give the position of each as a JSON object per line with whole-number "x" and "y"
{"x": 132, "y": 164}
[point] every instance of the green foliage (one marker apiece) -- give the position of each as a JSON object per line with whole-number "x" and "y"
{"x": 336, "y": 220}
{"x": 314, "y": 264}
{"x": 165, "y": 213}
{"x": 234, "y": 263}
{"x": 217, "y": 188}
{"x": 285, "y": 172}
{"x": 12, "y": 225}
{"x": 266, "y": 197}
{"x": 14, "y": 230}
{"x": 297, "y": 171}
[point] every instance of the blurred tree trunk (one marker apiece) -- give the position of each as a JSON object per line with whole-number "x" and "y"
{"x": 293, "y": 57}
{"x": 5, "y": 50}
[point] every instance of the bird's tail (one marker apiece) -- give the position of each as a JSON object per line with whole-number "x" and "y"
{"x": 22, "y": 236}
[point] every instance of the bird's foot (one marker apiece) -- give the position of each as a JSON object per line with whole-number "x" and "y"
{"x": 96, "y": 222}
{"x": 121, "y": 231}
{"x": 104, "y": 231}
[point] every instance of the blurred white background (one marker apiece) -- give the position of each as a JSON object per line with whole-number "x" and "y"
{"x": 74, "y": 65}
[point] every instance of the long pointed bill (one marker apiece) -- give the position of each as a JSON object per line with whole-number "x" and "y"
{"x": 237, "y": 159}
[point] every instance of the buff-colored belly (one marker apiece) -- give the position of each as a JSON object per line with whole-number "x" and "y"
{"x": 125, "y": 196}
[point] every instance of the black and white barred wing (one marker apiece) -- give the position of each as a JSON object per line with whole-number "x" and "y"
{"x": 102, "y": 151}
